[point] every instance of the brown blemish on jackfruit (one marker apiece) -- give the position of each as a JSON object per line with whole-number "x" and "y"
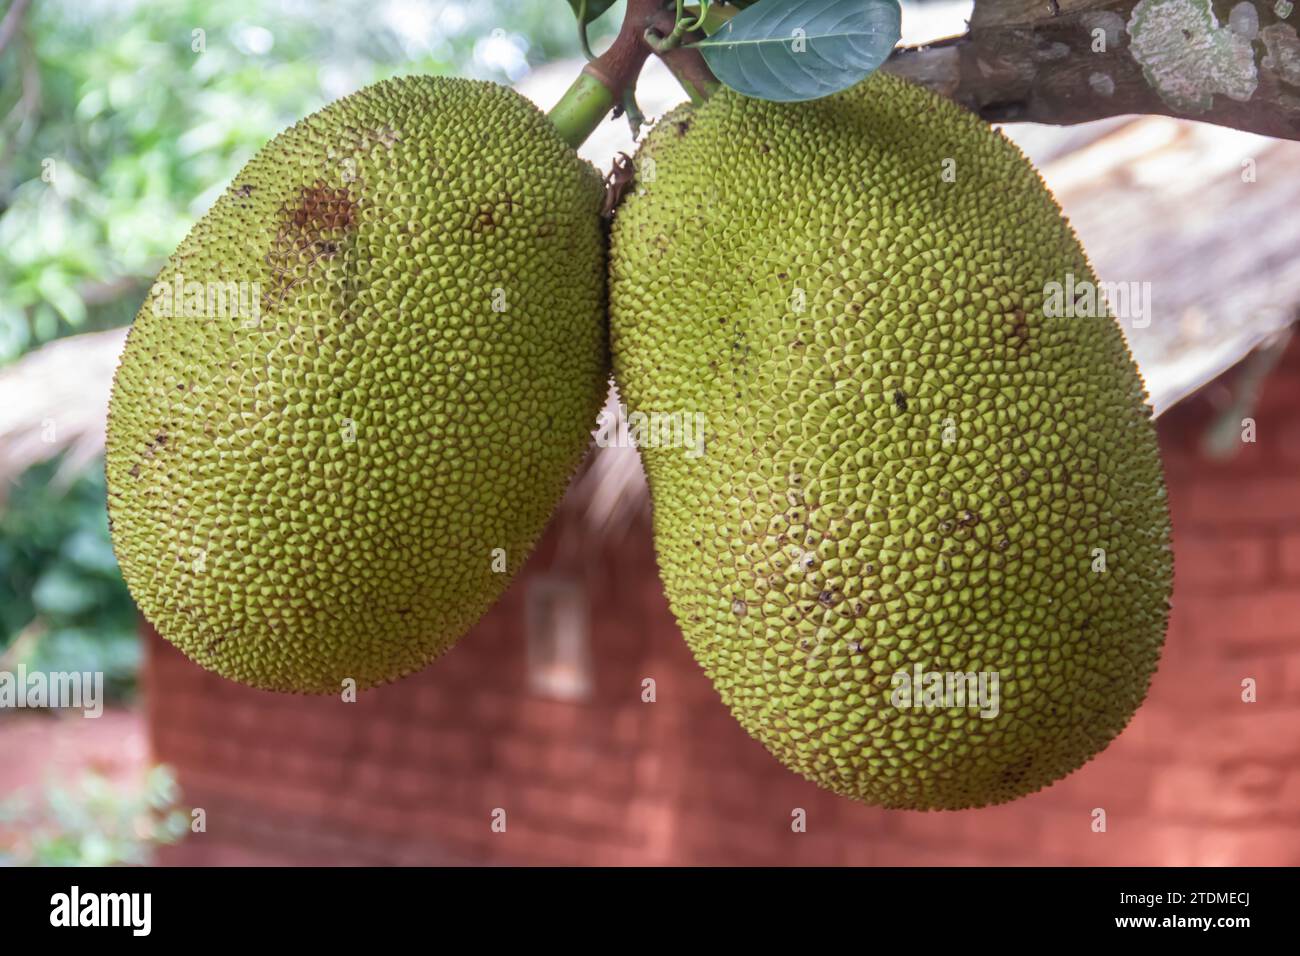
{"x": 1019, "y": 333}
{"x": 320, "y": 209}
{"x": 311, "y": 228}
{"x": 493, "y": 214}
{"x": 150, "y": 449}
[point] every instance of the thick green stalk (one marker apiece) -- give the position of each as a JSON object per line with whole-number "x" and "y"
{"x": 605, "y": 81}
{"x": 581, "y": 109}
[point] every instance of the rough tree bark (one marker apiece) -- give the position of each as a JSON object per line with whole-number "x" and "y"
{"x": 1231, "y": 62}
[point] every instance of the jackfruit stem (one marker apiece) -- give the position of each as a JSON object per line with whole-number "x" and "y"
{"x": 581, "y": 109}
{"x": 606, "y": 80}
{"x": 610, "y": 78}
{"x": 670, "y": 38}
{"x": 691, "y": 72}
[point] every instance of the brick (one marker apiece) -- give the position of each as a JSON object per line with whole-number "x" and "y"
{"x": 858, "y": 819}
{"x": 921, "y": 828}
{"x": 570, "y": 811}
{"x": 596, "y": 812}
{"x": 433, "y": 703}
{"x": 1156, "y": 843}
{"x": 566, "y": 762}
{"x": 1118, "y": 777}
{"x": 905, "y": 855}
{"x": 493, "y": 710}
{"x": 541, "y": 805}
{"x": 650, "y": 767}
{"x": 1069, "y": 840}
{"x": 448, "y": 827}
{"x": 1268, "y": 668}
{"x": 476, "y": 795}
{"x": 518, "y": 755}
{"x": 226, "y": 752}
{"x": 334, "y": 729}
{"x": 1252, "y": 732}
{"x": 278, "y": 797}
{"x": 1155, "y": 734}
{"x": 1221, "y": 560}
{"x": 1282, "y": 386}
{"x": 629, "y": 723}
{"x": 367, "y": 776}
{"x": 1197, "y": 778}
{"x": 1254, "y": 500}
{"x": 706, "y": 783}
{"x": 1191, "y": 682}
{"x": 446, "y": 748}
{"x": 859, "y": 852}
{"x": 549, "y": 718}
{"x": 1265, "y": 617}
{"x": 1290, "y": 674}
{"x": 811, "y": 849}
{"x": 1244, "y": 792}
{"x": 380, "y": 737}
{"x": 1003, "y": 832}
{"x": 1288, "y": 798}
{"x": 408, "y": 785}
{"x": 592, "y": 768}
{"x": 353, "y": 811}
{"x": 655, "y": 823}
{"x": 1284, "y": 441}
{"x": 530, "y": 847}
{"x": 388, "y": 819}
{"x": 1134, "y": 836}
{"x": 1248, "y": 846}
{"x": 721, "y": 842}
{"x": 261, "y": 760}
{"x": 1289, "y": 556}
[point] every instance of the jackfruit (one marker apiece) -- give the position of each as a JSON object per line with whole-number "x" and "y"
{"x": 360, "y": 386}
{"x": 912, "y": 469}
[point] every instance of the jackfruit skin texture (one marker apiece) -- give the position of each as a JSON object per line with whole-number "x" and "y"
{"x": 915, "y": 468}
{"x": 318, "y": 497}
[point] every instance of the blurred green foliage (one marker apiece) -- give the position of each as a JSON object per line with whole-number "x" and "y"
{"x": 57, "y": 569}
{"x": 92, "y": 823}
{"x": 121, "y": 121}
{"x": 124, "y": 119}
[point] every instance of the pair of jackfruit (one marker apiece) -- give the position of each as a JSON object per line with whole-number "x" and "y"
{"x": 915, "y": 482}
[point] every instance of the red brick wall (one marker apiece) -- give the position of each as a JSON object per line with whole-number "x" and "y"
{"x": 412, "y": 773}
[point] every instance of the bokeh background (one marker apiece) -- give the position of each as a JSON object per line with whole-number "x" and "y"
{"x": 122, "y": 121}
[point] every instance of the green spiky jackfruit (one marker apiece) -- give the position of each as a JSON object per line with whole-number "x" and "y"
{"x": 360, "y": 386}
{"x": 910, "y": 469}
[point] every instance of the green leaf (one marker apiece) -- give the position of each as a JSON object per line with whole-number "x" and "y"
{"x": 595, "y": 8}
{"x": 89, "y": 550}
{"x": 14, "y": 332}
{"x": 778, "y": 50}
{"x": 60, "y": 592}
{"x": 53, "y": 285}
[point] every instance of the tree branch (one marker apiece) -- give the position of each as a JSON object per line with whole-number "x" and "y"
{"x": 9, "y": 25}
{"x": 1235, "y": 64}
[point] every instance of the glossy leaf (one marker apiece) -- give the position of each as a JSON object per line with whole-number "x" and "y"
{"x": 779, "y": 50}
